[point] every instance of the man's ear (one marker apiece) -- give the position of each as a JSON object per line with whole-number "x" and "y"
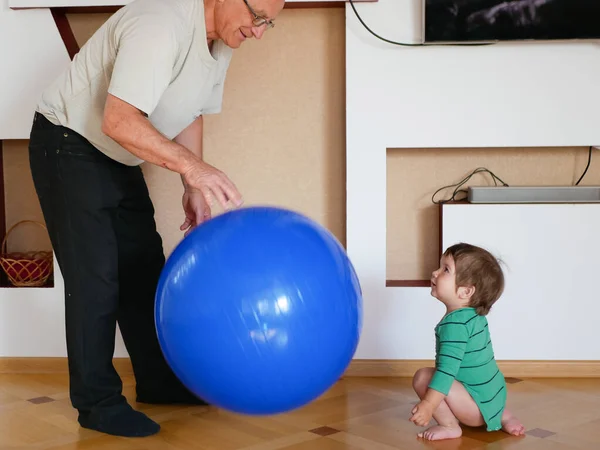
{"x": 466, "y": 292}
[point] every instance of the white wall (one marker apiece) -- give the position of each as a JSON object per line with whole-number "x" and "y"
{"x": 502, "y": 95}
{"x": 396, "y": 97}
{"x": 32, "y": 55}
{"x": 550, "y": 306}
{"x": 32, "y": 321}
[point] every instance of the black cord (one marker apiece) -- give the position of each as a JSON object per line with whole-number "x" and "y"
{"x": 405, "y": 44}
{"x": 586, "y": 167}
{"x": 457, "y": 190}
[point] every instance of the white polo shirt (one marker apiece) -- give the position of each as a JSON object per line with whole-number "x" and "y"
{"x": 154, "y": 55}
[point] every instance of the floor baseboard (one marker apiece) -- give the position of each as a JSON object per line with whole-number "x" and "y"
{"x": 513, "y": 369}
{"x": 358, "y": 368}
{"x": 51, "y": 365}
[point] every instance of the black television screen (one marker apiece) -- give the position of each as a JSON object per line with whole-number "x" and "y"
{"x": 511, "y": 20}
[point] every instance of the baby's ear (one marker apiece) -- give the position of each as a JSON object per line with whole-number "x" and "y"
{"x": 466, "y": 292}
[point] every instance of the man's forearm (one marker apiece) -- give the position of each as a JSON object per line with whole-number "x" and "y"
{"x": 191, "y": 138}
{"x": 135, "y": 133}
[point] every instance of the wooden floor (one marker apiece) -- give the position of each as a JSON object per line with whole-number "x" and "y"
{"x": 357, "y": 413}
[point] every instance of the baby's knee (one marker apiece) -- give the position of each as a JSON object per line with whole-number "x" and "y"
{"x": 422, "y": 377}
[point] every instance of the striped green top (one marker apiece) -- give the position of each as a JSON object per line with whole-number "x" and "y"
{"x": 464, "y": 353}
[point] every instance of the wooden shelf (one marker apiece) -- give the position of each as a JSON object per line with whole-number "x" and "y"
{"x": 5, "y": 284}
{"x": 87, "y": 6}
{"x": 407, "y": 283}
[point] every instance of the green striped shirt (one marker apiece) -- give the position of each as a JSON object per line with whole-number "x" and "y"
{"x": 464, "y": 353}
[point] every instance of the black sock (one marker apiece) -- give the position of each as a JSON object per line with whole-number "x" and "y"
{"x": 120, "y": 420}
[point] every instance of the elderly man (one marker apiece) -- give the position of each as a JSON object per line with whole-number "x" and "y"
{"x": 136, "y": 92}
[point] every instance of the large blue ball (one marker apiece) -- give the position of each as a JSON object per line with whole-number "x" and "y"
{"x": 259, "y": 310}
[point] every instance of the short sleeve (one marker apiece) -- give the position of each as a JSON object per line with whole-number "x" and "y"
{"x": 146, "y": 54}
{"x": 453, "y": 339}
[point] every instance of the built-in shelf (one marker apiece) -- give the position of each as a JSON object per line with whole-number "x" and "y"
{"x": 426, "y": 283}
{"x": 4, "y": 280}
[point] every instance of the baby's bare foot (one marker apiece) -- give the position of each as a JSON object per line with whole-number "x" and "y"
{"x": 438, "y": 433}
{"x": 512, "y": 425}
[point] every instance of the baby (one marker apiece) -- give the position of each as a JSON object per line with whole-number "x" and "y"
{"x": 466, "y": 385}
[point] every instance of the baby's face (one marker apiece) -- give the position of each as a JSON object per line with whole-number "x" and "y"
{"x": 443, "y": 281}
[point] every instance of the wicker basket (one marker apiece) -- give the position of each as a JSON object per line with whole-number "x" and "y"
{"x": 29, "y": 269}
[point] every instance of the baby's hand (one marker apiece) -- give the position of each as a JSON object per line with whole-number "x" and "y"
{"x": 422, "y": 413}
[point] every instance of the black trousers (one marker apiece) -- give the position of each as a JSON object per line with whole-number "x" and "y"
{"x": 101, "y": 224}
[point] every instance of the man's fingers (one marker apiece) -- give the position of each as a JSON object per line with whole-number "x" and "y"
{"x": 234, "y": 195}
{"x": 223, "y": 193}
{"x": 232, "y": 192}
{"x": 228, "y": 190}
{"x": 185, "y": 224}
{"x": 220, "y": 195}
{"x": 206, "y": 193}
{"x": 202, "y": 215}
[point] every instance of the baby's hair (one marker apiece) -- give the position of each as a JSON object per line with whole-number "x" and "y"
{"x": 477, "y": 267}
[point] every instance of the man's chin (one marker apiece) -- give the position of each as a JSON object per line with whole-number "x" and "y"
{"x": 233, "y": 43}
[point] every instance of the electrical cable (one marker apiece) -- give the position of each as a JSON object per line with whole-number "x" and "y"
{"x": 586, "y": 167}
{"x": 461, "y": 183}
{"x": 406, "y": 44}
{"x": 458, "y": 185}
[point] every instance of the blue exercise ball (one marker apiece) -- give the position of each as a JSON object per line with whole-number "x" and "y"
{"x": 259, "y": 310}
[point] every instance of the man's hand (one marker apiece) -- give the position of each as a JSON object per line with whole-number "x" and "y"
{"x": 211, "y": 183}
{"x": 198, "y": 176}
{"x": 196, "y": 210}
{"x": 422, "y": 413}
{"x": 131, "y": 129}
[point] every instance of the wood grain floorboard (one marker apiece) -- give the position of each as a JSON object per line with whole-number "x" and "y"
{"x": 355, "y": 414}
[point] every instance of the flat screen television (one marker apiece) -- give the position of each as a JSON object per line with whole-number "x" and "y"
{"x": 462, "y": 21}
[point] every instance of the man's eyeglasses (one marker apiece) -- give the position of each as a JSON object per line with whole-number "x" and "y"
{"x": 259, "y": 21}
